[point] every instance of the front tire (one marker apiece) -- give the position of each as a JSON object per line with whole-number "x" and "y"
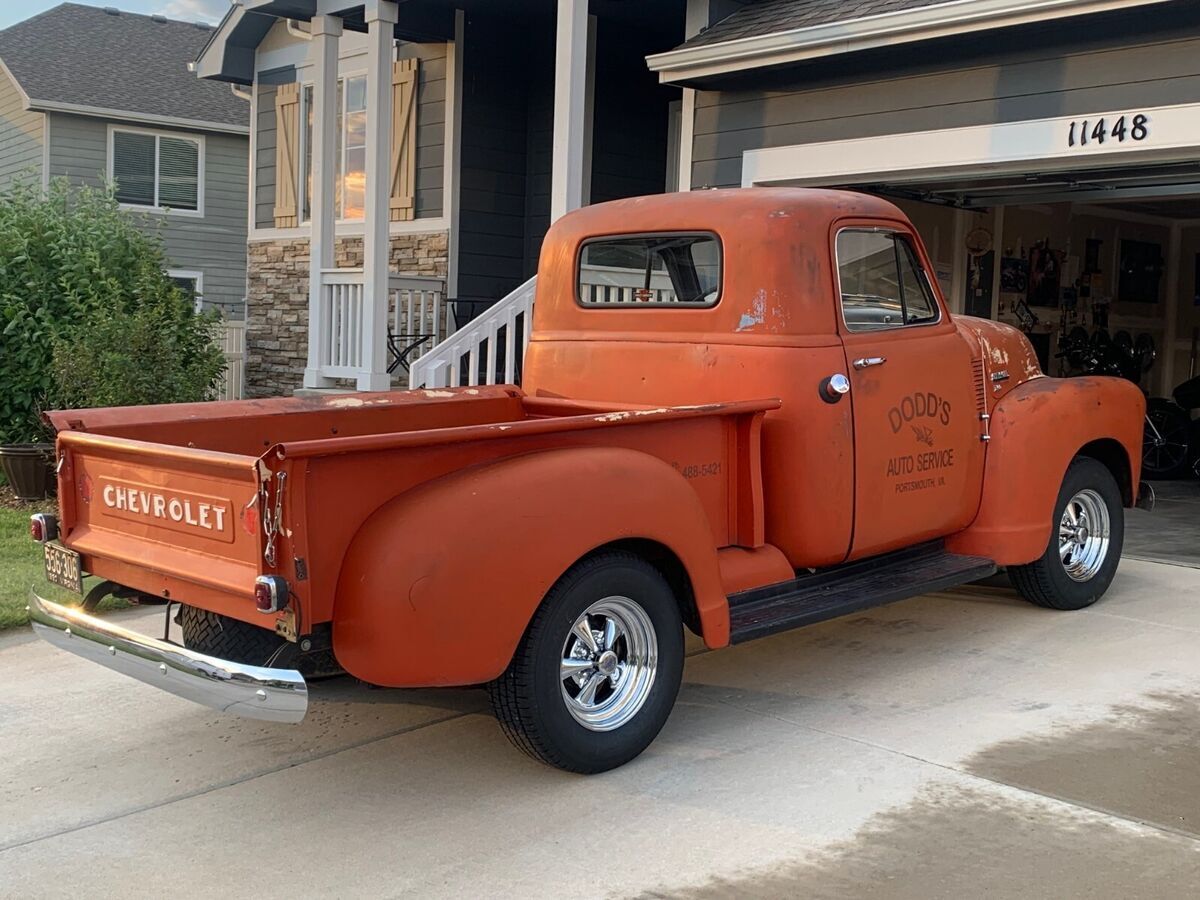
{"x": 597, "y": 672}
{"x": 1085, "y": 542}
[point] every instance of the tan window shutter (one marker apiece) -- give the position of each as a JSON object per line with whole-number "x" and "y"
{"x": 287, "y": 155}
{"x": 404, "y": 140}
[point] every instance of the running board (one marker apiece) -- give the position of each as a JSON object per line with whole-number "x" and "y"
{"x": 849, "y": 588}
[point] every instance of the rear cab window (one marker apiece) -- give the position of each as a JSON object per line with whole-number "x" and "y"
{"x": 882, "y": 282}
{"x": 650, "y": 270}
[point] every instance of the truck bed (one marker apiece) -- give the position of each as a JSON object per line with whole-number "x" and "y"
{"x": 193, "y": 502}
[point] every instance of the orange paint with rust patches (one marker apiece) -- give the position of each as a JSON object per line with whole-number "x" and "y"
{"x": 427, "y": 526}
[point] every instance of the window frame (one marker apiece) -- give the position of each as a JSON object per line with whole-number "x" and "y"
{"x": 596, "y": 239}
{"x": 305, "y": 217}
{"x": 197, "y": 276}
{"x": 895, "y": 233}
{"x": 157, "y": 133}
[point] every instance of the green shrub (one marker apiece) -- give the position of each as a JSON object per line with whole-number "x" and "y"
{"x": 88, "y": 316}
{"x": 144, "y": 356}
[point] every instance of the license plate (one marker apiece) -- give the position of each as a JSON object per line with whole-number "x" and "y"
{"x": 63, "y": 568}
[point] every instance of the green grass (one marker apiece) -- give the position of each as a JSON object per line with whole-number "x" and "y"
{"x": 21, "y": 568}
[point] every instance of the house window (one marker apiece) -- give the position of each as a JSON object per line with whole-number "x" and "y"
{"x": 156, "y": 170}
{"x": 350, "y": 178}
{"x": 191, "y": 283}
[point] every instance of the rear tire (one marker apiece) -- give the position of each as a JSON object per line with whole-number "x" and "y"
{"x": 232, "y": 639}
{"x": 597, "y": 672}
{"x": 1086, "y": 536}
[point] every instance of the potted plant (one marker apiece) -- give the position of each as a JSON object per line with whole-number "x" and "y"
{"x": 28, "y": 468}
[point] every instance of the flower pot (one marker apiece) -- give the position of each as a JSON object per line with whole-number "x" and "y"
{"x": 27, "y": 468}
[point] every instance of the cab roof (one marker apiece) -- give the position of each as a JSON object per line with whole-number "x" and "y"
{"x": 777, "y": 266}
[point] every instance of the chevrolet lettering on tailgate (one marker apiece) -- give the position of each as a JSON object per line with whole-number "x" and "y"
{"x": 178, "y": 510}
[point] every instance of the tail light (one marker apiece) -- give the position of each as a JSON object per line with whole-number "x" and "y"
{"x": 270, "y": 593}
{"x": 43, "y": 527}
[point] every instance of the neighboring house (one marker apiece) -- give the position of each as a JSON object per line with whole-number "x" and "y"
{"x": 96, "y": 94}
{"x": 448, "y": 134}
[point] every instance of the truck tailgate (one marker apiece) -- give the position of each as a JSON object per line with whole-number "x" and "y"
{"x": 153, "y": 516}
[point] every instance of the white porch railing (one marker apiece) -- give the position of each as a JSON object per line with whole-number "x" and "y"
{"x": 233, "y": 345}
{"x": 487, "y": 350}
{"x": 417, "y": 308}
{"x": 599, "y": 285}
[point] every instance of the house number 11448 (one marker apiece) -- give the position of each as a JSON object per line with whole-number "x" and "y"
{"x": 1097, "y": 131}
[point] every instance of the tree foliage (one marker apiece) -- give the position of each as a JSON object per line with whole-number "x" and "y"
{"x": 88, "y": 315}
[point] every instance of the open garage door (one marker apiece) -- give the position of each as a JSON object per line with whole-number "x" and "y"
{"x": 1101, "y": 268}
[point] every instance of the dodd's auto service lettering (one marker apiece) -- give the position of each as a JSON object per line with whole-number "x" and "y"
{"x": 177, "y": 510}
{"x": 921, "y": 405}
{"x": 919, "y": 411}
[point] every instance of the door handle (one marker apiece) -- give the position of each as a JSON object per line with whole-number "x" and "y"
{"x": 867, "y": 361}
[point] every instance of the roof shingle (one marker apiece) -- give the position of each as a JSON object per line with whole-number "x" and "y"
{"x": 759, "y": 17}
{"x": 87, "y": 56}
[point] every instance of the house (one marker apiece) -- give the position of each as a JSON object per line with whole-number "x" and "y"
{"x": 970, "y": 114}
{"x": 1048, "y": 151}
{"x": 423, "y": 148}
{"x": 95, "y": 94}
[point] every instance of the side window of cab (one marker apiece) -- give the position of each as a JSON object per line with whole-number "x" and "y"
{"x": 881, "y": 281}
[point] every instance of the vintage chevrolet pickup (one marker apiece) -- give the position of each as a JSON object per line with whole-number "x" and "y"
{"x": 742, "y": 412}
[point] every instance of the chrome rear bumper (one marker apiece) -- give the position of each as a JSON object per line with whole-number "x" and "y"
{"x": 275, "y": 695}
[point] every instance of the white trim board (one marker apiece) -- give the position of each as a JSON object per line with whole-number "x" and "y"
{"x": 1040, "y": 145}
{"x": 436, "y": 225}
{"x": 123, "y": 115}
{"x": 868, "y": 32}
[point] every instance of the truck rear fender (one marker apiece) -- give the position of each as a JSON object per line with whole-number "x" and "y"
{"x": 1036, "y": 430}
{"x": 440, "y": 583}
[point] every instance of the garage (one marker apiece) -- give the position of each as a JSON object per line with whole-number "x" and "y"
{"x": 1052, "y": 167}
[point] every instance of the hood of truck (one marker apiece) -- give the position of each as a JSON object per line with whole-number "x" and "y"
{"x": 1006, "y": 355}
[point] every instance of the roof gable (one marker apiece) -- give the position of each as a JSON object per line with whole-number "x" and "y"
{"x": 763, "y": 33}
{"x": 117, "y": 64}
{"x": 771, "y": 16}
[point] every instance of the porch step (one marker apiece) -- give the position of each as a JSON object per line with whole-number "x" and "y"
{"x": 850, "y": 588}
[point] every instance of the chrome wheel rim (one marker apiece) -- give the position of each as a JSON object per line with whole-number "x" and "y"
{"x": 609, "y": 660}
{"x": 1083, "y": 535}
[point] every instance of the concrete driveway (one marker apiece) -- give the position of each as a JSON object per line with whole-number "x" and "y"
{"x": 949, "y": 746}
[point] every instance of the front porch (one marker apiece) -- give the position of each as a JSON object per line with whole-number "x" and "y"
{"x": 477, "y": 127}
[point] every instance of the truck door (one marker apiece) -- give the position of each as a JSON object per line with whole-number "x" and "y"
{"x": 917, "y": 430}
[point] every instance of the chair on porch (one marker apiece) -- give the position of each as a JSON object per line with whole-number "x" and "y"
{"x": 420, "y": 318}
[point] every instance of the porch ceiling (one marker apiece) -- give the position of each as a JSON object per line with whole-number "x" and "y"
{"x": 229, "y": 55}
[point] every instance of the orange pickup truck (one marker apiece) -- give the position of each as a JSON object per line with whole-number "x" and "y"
{"x": 742, "y": 412}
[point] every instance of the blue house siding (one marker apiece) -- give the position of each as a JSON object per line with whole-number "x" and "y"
{"x": 214, "y": 244}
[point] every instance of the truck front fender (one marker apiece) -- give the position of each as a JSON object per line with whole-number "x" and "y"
{"x": 440, "y": 583}
{"x": 1036, "y": 430}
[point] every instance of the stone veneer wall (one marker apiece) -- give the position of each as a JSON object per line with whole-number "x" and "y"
{"x": 277, "y": 301}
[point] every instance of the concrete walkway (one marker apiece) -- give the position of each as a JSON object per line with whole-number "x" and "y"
{"x": 949, "y": 746}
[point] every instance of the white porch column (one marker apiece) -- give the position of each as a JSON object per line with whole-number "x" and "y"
{"x": 381, "y": 17}
{"x": 325, "y": 31}
{"x": 570, "y": 108}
